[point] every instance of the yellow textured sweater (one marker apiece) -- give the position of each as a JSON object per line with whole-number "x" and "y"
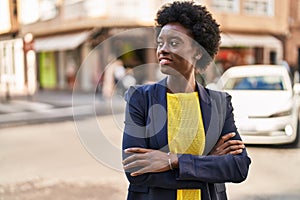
{"x": 186, "y": 133}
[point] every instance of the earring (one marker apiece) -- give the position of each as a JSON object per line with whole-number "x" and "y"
{"x": 198, "y": 57}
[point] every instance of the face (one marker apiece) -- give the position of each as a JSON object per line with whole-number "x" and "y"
{"x": 176, "y": 50}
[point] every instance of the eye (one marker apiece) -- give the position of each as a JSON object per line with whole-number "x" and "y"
{"x": 159, "y": 43}
{"x": 174, "y": 43}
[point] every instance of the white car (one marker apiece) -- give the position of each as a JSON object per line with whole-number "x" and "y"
{"x": 265, "y": 103}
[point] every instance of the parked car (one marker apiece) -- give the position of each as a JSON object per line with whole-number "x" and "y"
{"x": 265, "y": 102}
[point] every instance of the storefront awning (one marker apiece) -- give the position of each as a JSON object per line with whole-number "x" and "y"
{"x": 60, "y": 42}
{"x": 246, "y": 40}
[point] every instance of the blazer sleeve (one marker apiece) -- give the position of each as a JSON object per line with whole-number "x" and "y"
{"x": 217, "y": 169}
{"x": 134, "y": 135}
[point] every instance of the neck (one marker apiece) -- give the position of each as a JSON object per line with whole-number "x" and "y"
{"x": 181, "y": 84}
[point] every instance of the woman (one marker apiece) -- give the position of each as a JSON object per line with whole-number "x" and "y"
{"x": 180, "y": 141}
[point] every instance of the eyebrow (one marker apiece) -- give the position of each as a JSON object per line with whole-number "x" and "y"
{"x": 171, "y": 38}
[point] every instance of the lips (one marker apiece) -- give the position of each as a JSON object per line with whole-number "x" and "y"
{"x": 164, "y": 60}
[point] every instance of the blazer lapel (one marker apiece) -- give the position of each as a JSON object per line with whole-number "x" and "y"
{"x": 205, "y": 105}
{"x": 159, "y": 115}
{"x": 210, "y": 118}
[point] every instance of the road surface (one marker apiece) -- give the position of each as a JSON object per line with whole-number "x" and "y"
{"x": 49, "y": 161}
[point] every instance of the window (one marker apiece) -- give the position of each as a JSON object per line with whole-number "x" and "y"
{"x": 29, "y": 11}
{"x": 125, "y": 9}
{"x": 5, "y": 24}
{"x": 255, "y": 83}
{"x": 74, "y": 9}
{"x": 48, "y": 9}
{"x": 259, "y": 7}
{"x": 95, "y": 8}
{"x": 32, "y": 11}
{"x": 226, "y": 5}
{"x": 139, "y": 10}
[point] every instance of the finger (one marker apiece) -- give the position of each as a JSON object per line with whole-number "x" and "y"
{"x": 139, "y": 172}
{"x": 147, "y": 168}
{"x": 136, "y": 150}
{"x": 134, "y": 164}
{"x": 233, "y": 148}
{"x": 230, "y": 143}
{"x": 224, "y": 139}
{"x": 220, "y": 143}
{"x": 228, "y": 136}
{"x": 133, "y": 158}
{"x": 236, "y": 152}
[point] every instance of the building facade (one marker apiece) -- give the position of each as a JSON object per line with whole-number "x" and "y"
{"x": 292, "y": 47}
{"x": 17, "y": 58}
{"x": 75, "y": 40}
{"x": 71, "y": 33}
{"x": 253, "y": 31}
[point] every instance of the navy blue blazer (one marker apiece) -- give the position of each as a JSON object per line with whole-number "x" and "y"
{"x": 146, "y": 127}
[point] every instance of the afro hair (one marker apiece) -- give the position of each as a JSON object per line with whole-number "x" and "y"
{"x": 199, "y": 21}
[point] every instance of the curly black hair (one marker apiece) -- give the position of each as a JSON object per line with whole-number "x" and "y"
{"x": 204, "y": 29}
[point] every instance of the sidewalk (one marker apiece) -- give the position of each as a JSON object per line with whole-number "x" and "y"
{"x": 47, "y": 106}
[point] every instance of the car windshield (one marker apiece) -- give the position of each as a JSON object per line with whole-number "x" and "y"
{"x": 255, "y": 83}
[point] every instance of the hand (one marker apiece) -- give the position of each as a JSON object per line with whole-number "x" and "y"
{"x": 226, "y": 146}
{"x": 147, "y": 160}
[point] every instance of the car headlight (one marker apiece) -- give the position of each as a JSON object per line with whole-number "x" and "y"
{"x": 282, "y": 114}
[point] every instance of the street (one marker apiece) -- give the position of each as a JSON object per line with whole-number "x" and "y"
{"x": 49, "y": 161}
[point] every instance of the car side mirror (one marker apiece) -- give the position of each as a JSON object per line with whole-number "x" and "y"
{"x": 296, "y": 88}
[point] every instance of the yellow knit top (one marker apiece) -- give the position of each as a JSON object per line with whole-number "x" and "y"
{"x": 186, "y": 133}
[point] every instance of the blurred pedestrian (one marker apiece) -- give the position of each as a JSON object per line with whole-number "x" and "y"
{"x": 180, "y": 141}
{"x": 71, "y": 73}
{"x": 113, "y": 73}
